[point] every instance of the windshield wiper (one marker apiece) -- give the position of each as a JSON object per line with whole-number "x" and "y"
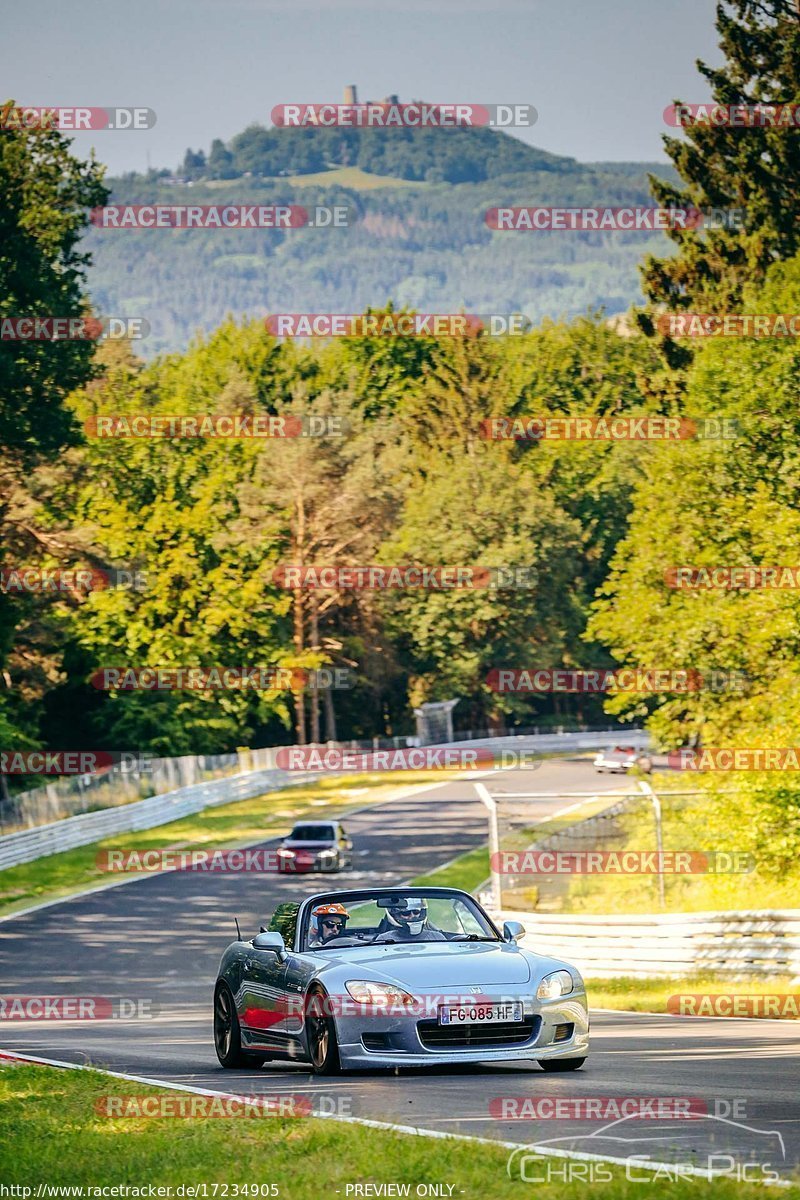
{"x": 472, "y": 937}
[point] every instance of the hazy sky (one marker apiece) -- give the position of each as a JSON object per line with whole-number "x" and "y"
{"x": 600, "y": 74}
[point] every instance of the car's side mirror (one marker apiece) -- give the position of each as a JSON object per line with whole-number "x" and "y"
{"x": 512, "y": 930}
{"x": 271, "y": 941}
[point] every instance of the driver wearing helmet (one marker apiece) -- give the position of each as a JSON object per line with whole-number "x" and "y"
{"x": 406, "y": 920}
{"x": 328, "y": 922}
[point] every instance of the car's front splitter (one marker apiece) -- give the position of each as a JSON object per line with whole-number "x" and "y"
{"x": 356, "y": 1057}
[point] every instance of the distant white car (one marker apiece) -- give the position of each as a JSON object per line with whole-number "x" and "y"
{"x": 619, "y": 759}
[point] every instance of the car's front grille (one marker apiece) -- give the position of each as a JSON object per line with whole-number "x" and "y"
{"x": 488, "y": 1036}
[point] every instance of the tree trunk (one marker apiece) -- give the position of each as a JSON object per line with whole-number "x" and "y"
{"x": 330, "y": 715}
{"x": 300, "y": 694}
{"x": 299, "y": 621}
{"x": 313, "y": 605}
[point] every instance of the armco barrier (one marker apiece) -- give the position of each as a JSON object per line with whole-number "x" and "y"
{"x": 763, "y": 942}
{"x": 29, "y": 844}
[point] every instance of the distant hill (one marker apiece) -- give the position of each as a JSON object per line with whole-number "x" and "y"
{"x": 430, "y": 155}
{"x": 419, "y": 239}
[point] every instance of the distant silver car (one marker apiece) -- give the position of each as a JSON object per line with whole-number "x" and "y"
{"x": 620, "y": 759}
{"x": 407, "y": 977}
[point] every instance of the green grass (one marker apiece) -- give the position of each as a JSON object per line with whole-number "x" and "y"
{"x": 704, "y": 822}
{"x": 51, "y": 1132}
{"x": 470, "y": 870}
{"x": 651, "y": 995}
{"x": 467, "y": 872}
{"x": 226, "y": 827}
{"x": 351, "y": 177}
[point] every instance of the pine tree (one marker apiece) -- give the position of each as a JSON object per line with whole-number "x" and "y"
{"x": 750, "y": 167}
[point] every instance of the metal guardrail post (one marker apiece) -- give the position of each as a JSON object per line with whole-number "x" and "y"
{"x": 489, "y": 802}
{"x": 654, "y": 800}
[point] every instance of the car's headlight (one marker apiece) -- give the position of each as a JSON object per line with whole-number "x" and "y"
{"x": 326, "y": 854}
{"x": 288, "y": 853}
{"x": 552, "y": 986}
{"x": 384, "y": 994}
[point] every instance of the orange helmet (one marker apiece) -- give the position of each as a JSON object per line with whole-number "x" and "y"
{"x": 324, "y": 910}
{"x": 335, "y": 916}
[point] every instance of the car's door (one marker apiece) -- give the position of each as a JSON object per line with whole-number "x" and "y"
{"x": 263, "y": 1007}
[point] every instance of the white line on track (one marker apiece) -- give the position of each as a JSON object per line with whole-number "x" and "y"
{"x": 388, "y": 1127}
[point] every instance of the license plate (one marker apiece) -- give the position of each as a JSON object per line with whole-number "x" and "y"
{"x": 479, "y": 1014}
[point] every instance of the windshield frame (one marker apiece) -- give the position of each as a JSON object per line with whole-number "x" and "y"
{"x": 359, "y": 895}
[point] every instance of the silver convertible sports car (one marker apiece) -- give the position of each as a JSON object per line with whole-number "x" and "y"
{"x": 395, "y": 977}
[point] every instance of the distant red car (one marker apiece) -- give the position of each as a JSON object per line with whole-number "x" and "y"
{"x": 315, "y": 846}
{"x": 620, "y": 759}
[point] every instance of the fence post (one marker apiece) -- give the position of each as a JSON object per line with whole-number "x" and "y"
{"x": 648, "y": 791}
{"x": 489, "y": 803}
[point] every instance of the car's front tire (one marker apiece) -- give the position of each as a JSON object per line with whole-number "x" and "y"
{"x": 228, "y": 1034}
{"x": 323, "y": 1048}
{"x": 561, "y": 1064}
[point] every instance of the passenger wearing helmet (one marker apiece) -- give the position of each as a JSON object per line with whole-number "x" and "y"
{"x": 328, "y": 922}
{"x": 406, "y": 920}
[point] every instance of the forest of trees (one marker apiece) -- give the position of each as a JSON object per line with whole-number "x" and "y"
{"x": 437, "y": 156}
{"x": 208, "y": 520}
{"x": 425, "y": 246}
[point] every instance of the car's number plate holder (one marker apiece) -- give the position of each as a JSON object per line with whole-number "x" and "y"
{"x": 486, "y": 1013}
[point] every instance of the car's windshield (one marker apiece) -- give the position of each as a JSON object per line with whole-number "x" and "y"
{"x": 361, "y": 919}
{"x": 313, "y": 833}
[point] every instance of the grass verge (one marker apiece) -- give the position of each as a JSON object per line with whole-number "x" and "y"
{"x": 467, "y": 872}
{"x": 741, "y": 820}
{"x": 470, "y": 870}
{"x": 225, "y": 827}
{"x": 652, "y": 995}
{"x": 52, "y": 1133}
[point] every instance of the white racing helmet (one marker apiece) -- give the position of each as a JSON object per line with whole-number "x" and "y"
{"x": 408, "y": 912}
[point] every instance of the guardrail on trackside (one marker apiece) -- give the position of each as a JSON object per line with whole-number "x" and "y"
{"x": 43, "y": 840}
{"x": 762, "y": 942}
{"x": 29, "y": 844}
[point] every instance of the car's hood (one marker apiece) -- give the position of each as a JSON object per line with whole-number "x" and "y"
{"x": 433, "y": 965}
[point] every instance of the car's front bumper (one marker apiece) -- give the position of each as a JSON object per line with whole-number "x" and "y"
{"x": 404, "y": 1046}
{"x": 318, "y": 866}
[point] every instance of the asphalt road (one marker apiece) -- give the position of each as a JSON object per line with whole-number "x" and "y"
{"x": 156, "y": 942}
